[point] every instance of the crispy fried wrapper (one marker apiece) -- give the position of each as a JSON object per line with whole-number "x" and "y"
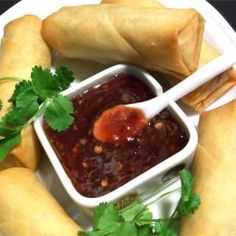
{"x": 28, "y": 209}
{"x": 214, "y": 175}
{"x": 166, "y": 40}
{"x": 211, "y": 91}
{"x": 22, "y": 47}
{"x": 141, "y": 3}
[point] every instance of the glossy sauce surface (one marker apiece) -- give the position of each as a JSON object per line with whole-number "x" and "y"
{"x": 118, "y": 124}
{"x": 96, "y": 168}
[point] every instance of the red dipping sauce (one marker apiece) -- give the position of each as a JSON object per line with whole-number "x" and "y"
{"x": 118, "y": 124}
{"x": 96, "y": 168}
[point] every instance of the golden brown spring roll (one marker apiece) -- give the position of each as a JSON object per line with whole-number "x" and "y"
{"x": 22, "y": 47}
{"x": 208, "y": 93}
{"x": 215, "y": 176}
{"x": 141, "y": 3}
{"x": 28, "y": 209}
{"x": 166, "y": 40}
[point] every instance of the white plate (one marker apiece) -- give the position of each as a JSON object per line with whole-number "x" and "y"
{"x": 218, "y": 32}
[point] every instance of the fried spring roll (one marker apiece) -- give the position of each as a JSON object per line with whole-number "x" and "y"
{"x": 208, "y": 93}
{"x": 22, "y": 47}
{"x": 164, "y": 40}
{"x": 28, "y": 209}
{"x": 215, "y": 176}
{"x": 141, "y": 3}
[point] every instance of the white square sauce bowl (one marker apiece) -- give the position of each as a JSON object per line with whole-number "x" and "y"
{"x": 149, "y": 182}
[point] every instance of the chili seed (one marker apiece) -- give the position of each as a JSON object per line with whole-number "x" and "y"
{"x": 104, "y": 183}
{"x": 158, "y": 125}
{"x": 97, "y": 149}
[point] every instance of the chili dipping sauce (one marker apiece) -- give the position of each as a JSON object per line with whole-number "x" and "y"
{"x": 96, "y": 168}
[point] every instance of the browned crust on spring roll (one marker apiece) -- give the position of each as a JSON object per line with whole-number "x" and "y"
{"x": 115, "y": 33}
{"x": 214, "y": 174}
{"x": 208, "y": 93}
{"x": 22, "y": 47}
{"x": 28, "y": 209}
{"x": 141, "y": 3}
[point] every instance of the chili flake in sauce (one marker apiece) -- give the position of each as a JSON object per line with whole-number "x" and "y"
{"x": 96, "y": 168}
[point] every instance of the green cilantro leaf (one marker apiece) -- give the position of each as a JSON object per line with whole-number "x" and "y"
{"x": 64, "y": 77}
{"x": 126, "y": 228}
{"x": 6, "y": 144}
{"x": 19, "y": 89}
{"x": 187, "y": 184}
{"x": 117, "y": 229}
{"x": 144, "y": 217}
{"x": 130, "y": 212}
{"x": 1, "y": 105}
{"x": 189, "y": 201}
{"x": 189, "y": 206}
{"x": 6, "y": 131}
{"x": 162, "y": 229}
{"x": 24, "y": 94}
{"x": 138, "y": 213}
{"x": 104, "y": 232}
{"x": 145, "y": 230}
{"x": 137, "y": 220}
{"x": 105, "y": 215}
{"x": 44, "y": 83}
{"x": 19, "y": 116}
{"x": 30, "y": 99}
{"x": 58, "y": 114}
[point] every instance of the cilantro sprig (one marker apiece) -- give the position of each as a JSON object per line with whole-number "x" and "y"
{"x": 137, "y": 220}
{"x": 30, "y": 99}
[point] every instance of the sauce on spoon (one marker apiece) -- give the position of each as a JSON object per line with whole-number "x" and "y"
{"x": 96, "y": 168}
{"x": 119, "y": 124}
{"x": 153, "y": 106}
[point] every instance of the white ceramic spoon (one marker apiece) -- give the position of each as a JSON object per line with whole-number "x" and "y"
{"x": 119, "y": 123}
{"x": 155, "y": 105}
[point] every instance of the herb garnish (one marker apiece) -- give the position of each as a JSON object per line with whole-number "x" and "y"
{"x": 0, "y": 105}
{"x": 136, "y": 219}
{"x": 30, "y": 99}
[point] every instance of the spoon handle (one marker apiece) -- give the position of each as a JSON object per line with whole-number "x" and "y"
{"x": 195, "y": 80}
